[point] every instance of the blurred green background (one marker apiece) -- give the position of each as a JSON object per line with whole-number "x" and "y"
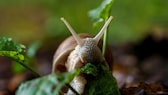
{"x": 29, "y": 20}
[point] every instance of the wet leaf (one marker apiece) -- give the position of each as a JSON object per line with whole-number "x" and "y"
{"x": 13, "y": 55}
{"x": 89, "y": 69}
{"x": 47, "y": 85}
{"x": 104, "y": 81}
{"x": 7, "y": 44}
{"x": 13, "y": 50}
{"x": 102, "y": 12}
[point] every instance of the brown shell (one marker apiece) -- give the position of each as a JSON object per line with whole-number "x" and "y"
{"x": 67, "y": 46}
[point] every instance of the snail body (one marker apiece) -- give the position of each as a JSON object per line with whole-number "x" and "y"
{"x": 75, "y": 51}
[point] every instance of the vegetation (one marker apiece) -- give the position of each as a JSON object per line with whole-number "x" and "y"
{"x": 53, "y": 83}
{"x": 22, "y": 20}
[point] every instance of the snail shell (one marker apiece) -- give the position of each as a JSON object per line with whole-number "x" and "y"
{"x": 67, "y": 46}
{"x": 77, "y": 50}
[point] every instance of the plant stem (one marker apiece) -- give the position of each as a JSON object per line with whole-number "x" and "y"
{"x": 29, "y": 68}
{"x": 70, "y": 87}
{"x": 105, "y": 41}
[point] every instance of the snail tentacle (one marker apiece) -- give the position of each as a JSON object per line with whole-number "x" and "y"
{"x": 77, "y": 38}
{"x": 100, "y": 34}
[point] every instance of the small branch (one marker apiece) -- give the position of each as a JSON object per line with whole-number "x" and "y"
{"x": 70, "y": 87}
{"x": 105, "y": 41}
{"x": 27, "y": 67}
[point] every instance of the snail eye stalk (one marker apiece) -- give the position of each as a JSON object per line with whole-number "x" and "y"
{"x": 100, "y": 34}
{"x": 76, "y": 37}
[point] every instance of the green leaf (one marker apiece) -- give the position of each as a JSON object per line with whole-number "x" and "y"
{"x": 89, "y": 69}
{"x": 47, "y": 85}
{"x": 104, "y": 81}
{"x": 30, "y": 54}
{"x": 13, "y": 55}
{"x": 17, "y": 58}
{"x": 12, "y": 50}
{"x": 102, "y": 12}
{"x": 32, "y": 49}
{"x": 7, "y": 44}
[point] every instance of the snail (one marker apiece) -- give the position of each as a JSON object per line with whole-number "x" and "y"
{"x": 77, "y": 50}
